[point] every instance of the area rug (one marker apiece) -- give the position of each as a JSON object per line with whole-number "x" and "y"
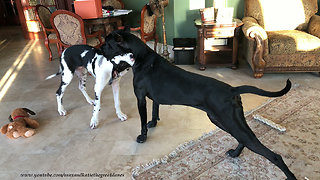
{"x": 205, "y": 158}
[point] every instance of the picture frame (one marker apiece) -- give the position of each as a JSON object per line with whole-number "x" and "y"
{"x": 224, "y": 15}
{"x": 207, "y": 14}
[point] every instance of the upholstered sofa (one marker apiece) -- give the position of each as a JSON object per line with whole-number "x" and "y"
{"x": 281, "y": 36}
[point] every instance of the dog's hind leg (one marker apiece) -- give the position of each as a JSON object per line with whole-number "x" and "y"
{"x": 216, "y": 122}
{"x": 155, "y": 115}
{"x": 117, "y": 103}
{"x": 82, "y": 74}
{"x": 251, "y": 142}
{"x": 232, "y": 152}
{"x": 234, "y": 121}
{"x": 66, "y": 78}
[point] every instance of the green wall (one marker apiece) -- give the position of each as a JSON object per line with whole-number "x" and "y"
{"x": 136, "y": 6}
{"x": 183, "y": 17}
{"x": 178, "y": 17}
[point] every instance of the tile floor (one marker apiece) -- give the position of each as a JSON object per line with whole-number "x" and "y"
{"x": 66, "y": 144}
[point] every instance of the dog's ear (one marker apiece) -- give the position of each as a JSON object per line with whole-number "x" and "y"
{"x": 104, "y": 48}
{"x": 10, "y": 118}
{"x": 29, "y": 111}
{"x": 4, "y": 129}
{"x": 117, "y": 37}
{"x": 149, "y": 10}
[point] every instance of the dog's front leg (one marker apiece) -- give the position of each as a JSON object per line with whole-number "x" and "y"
{"x": 116, "y": 90}
{"x": 155, "y": 115}
{"x": 98, "y": 87}
{"x": 142, "y": 106}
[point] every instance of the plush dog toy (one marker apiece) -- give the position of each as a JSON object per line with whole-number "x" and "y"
{"x": 20, "y": 123}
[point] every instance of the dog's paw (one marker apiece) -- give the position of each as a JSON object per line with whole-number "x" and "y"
{"x": 62, "y": 111}
{"x": 122, "y": 116}
{"x": 152, "y": 124}
{"x": 15, "y": 134}
{"x": 94, "y": 124}
{"x": 141, "y": 138}
{"x": 232, "y": 153}
{"x": 91, "y": 101}
{"x": 29, "y": 133}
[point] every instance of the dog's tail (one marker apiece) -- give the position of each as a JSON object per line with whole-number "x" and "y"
{"x": 54, "y": 75}
{"x": 254, "y": 90}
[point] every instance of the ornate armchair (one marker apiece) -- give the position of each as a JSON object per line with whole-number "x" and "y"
{"x": 281, "y": 36}
{"x": 69, "y": 28}
{"x": 148, "y": 26}
{"x": 43, "y": 15}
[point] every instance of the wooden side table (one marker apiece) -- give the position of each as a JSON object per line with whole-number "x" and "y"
{"x": 115, "y": 20}
{"x": 229, "y": 32}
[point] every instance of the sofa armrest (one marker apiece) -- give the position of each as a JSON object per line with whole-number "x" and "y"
{"x": 314, "y": 26}
{"x": 251, "y": 28}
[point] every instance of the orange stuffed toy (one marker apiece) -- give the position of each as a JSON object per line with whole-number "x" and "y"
{"x": 20, "y": 123}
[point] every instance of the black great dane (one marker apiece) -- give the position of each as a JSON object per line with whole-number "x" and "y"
{"x": 164, "y": 83}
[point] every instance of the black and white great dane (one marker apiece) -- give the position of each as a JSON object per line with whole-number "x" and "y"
{"x": 107, "y": 65}
{"x": 164, "y": 83}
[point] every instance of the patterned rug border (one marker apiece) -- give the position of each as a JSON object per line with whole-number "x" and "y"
{"x": 167, "y": 158}
{"x": 184, "y": 146}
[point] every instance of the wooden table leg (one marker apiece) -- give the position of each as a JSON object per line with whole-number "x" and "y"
{"x": 235, "y": 48}
{"x": 202, "y": 67}
{"x": 88, "y": 29}
{"x": 201, "y": 57}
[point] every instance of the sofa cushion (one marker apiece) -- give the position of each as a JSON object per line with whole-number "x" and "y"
{"x": 292, "y": 41}
{"x": 275, "y": 15}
